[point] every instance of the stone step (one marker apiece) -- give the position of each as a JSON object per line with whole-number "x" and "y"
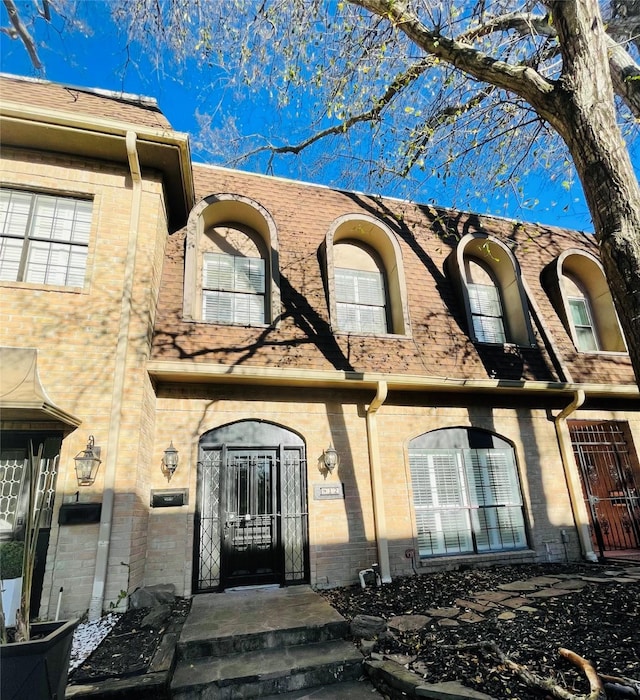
{"x": 266, "y": 671}
{"x": 346, "y": 690}
{"x": 192, "y": 649}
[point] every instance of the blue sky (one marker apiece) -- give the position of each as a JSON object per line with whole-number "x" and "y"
{"x": 100, "y": 59}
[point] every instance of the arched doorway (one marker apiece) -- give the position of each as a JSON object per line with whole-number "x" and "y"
{"x": 251, "y": 509}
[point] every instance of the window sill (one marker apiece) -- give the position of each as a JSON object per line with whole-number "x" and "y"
{"x": 43, "y": 287}
{"x": 217, "y": 324}
{"x": 384, "y": 336}
{"x": 614, "y": 353}
{"x": 448, "y": 563}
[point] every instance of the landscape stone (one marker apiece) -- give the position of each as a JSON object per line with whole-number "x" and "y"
{"x": 543, "y": 580}
{"x": 492, "y": 596}
{"x": 408, "y": 623}
{"x": 595, "y": 579}
{"x": 156, "y": 617}
{"x": 481, "y": 607}
{"x": 449, "y": 690}
{"x": 527, "y": 608}
{"x": 518, "y": 586}
{"x": 550, "y": 593}
{"x": 507, "y": 615}
{"x": 621, "y": 579}
{"x": 448, "y": 622}
{"x": 152, "y": 596}
{"x": 515, "y": 603}
{"x": 444, "y": 612}
{"x": 367, "y": 626}
{"x": 471, "y": 617}
{"x": 574, "y": 584}
{"x": 367, "y": 646}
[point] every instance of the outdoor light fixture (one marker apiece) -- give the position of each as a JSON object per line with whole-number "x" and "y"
{"x": 330, "y": 458}
{"x": 169, "y": 461}
{"x": 87, "y": 463}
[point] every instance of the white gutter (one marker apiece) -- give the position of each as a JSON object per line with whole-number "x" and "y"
{"x": 377, "y": 490}
{"x": 578, "y": 506}
{"x": 115, "y": 418}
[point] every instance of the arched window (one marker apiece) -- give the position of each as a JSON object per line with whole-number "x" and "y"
{"x": 578, "y": 289}
{"x": 487, "y": 278}
{"x": 466, "y": 493}
{"x": 365, "y": 278}
{"x": 231, "y": 263}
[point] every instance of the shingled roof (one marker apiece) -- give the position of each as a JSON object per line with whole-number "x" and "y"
{"x": 134, "y": 109}
{"x": 439, "y": 344}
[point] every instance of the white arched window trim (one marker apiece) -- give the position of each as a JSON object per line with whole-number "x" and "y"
{"x": 226, "y": 208}
{"x": 588, "y": 271}
{"x": 378, "y": 237}
{"x": 496, "y": 256}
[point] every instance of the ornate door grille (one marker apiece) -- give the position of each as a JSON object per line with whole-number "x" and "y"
{"x": 610, "y": 481}
{"x": 216, "y": 521}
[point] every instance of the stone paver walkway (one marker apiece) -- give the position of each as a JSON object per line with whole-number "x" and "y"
{"x": 517, "y": 597}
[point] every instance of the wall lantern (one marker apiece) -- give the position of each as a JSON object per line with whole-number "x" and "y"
{"x": 330, "y": 458}
{"x": 169, "y": 461}
{"x": 87, "y": 463}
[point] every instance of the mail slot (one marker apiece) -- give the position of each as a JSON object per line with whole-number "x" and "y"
{"x": 166, "y": 498}
{"x": 79, "y": 513}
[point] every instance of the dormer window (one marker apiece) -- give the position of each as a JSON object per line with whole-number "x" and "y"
{"x": 486, "y": 276}
{"x": 231, "y": 263}
{"x": 365, "y": 278}
{"x": 578, "y": 289}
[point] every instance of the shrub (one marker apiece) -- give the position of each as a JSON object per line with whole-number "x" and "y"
{"x": 11, "y": 559}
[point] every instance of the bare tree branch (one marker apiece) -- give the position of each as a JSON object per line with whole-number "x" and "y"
{"x": 397, "y": 86}
{"x": 22, "y": 32}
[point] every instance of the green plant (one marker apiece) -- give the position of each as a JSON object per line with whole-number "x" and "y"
{"x": 11, "y": 556}
{"x": 114, "y": 603}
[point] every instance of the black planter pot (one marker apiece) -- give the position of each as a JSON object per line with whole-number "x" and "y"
{"x": 37, "y": 669}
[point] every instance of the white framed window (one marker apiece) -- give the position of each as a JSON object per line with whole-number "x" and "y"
{"x": 360, "y": 301}
{"x": 486, "y": 313}
{"x": 466, "y": 501}
{"x": 233, "y": 289}
{"x": 44, "y": 239}
{"x": 583, "y": 324}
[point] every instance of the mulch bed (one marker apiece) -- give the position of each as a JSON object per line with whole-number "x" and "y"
{"x": 129, "y": 648}
{"x": 601, "y": 622}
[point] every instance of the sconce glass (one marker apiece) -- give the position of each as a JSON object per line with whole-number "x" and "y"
{"x": 170, "y": 461}
{"x": 87, "y": 463}
{"x": 330, "y": 458}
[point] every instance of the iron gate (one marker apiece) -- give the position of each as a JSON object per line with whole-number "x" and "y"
{"x": 610, "y": 481}
{"x": 251, "y": 519}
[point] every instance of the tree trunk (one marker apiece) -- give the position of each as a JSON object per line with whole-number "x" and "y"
{"x": 587, "y": 123}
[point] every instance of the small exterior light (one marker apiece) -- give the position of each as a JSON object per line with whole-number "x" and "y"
{"x": 330, "y": 458}
{"x": 87, "y": 463}
{"x": 170, "y": 461}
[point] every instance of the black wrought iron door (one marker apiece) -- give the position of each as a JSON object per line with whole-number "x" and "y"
{"x": 251, "y": 551}
{"x": 251, "y": 507}
{"x": 611, "y": 483}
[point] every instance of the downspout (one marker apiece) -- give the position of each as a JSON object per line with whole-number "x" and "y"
{"x": 375, "y": 465}
{"x": 578, "y": 507}
{"x": 115, "y": 418}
